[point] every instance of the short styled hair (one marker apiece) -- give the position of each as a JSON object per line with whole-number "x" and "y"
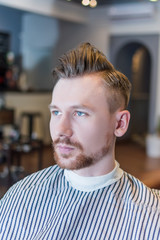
{"x": 85, "y": 60}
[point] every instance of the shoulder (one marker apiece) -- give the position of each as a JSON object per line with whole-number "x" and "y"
{"x": 138, "y": 194}
{"x": 34, "y": 180}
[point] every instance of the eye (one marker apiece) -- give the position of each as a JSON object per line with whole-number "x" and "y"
{"x": 80, "y": 114}
{"x": 56, "y": 113}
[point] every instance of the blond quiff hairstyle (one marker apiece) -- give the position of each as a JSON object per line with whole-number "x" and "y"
{"x": 86, "y": 59}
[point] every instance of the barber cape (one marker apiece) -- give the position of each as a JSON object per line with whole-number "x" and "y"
{"x": 52, "y": 205}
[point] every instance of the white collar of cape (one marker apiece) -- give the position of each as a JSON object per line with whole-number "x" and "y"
{"x": 89, "y": 184}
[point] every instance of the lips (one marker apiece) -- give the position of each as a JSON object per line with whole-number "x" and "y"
{"x": 65, "y": 149}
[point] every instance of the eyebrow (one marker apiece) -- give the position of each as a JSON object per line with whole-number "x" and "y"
{"x": 50, "y": 106}
{"x": 83, "y": 106}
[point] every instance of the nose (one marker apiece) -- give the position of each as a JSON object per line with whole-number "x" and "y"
{"x": 63, "y": 127}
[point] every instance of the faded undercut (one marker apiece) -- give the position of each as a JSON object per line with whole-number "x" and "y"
{"x": 86, "y": 59}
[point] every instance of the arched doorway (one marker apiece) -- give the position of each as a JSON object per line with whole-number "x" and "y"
{"x": 134, "y": 60}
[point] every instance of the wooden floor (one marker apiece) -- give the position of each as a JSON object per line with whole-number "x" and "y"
{"x": 130, "y": 155}
{"x": 133, "y": 159}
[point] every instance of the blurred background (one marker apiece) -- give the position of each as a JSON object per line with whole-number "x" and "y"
{"x": 33, "y": 34}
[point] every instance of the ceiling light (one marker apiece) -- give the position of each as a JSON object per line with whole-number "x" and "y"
{"x": 93, "y": 3}
{"x": 85, "y": 2}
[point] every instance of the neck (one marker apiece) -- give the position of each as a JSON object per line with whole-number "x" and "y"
{"x": 102, "y": 167}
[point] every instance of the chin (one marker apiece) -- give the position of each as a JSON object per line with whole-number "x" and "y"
{"x": 73, "y": 163}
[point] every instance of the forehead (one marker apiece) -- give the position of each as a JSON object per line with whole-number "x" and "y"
{"x": 86, "y": 89}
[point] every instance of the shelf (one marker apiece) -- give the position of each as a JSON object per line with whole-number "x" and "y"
{"x": 24, "y": 92}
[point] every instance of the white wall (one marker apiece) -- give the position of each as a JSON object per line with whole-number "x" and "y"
{"x": 38, "y": 42}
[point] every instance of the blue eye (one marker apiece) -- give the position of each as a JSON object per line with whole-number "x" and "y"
{"x": 80, "y": 114}
{"x": 56, "y": 113}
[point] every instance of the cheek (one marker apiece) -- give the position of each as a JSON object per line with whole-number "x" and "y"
{"x": 93, "y": 136}
{"x": 51, "y": 127}
{"x": 97, "y": 135}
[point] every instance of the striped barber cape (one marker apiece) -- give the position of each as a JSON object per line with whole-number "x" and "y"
{"x": 45, "y": 206}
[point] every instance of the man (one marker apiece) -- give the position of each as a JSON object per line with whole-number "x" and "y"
{"x": 87, "y": 195}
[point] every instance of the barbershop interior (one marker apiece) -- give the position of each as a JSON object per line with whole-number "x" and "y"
{"x": 33, "y": 35}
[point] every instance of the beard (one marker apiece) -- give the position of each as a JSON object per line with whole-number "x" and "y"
{"x": 81, "y": 160}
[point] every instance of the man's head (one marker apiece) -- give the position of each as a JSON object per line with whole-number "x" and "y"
{"x": 86, "y": 59}
{"x": 87, "y": 110}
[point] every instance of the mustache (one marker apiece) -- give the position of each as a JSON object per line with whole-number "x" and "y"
{"x": 67, "y": 141}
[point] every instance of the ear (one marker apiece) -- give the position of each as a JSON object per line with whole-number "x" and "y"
{"x": 122, "y": 122}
